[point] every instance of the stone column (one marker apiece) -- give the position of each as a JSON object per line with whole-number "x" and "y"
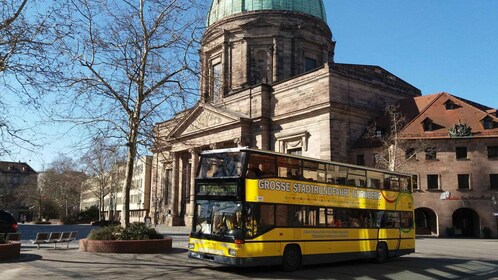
{"x": 174, "y": 188}
{"x": 179, "y": 186}
{"x": 225, "y": 61}
{"x": 269, "y": 67}
{"x": 204, "y": 83}
{"x": 194, "y": 160}
{"x": 275, "y": 60}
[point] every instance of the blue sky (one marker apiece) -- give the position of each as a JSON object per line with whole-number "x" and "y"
{"x": 435, "y": 45}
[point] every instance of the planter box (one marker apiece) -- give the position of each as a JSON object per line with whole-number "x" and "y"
{"x": 152, "y": 246}
{"x": 10, "y": 250}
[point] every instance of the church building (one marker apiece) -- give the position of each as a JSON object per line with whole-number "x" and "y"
{"x": 268, "y": 81}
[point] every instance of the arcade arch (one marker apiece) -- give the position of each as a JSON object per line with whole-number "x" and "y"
{"x": 426, "y": 222}
{"x": 466, "y": 223}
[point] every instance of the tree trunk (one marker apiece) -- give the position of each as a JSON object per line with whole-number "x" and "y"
{"x": 132, "y": 152}
{"x": 392, "y": 158}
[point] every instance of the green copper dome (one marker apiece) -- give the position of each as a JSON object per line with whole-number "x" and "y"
{"x": 224, "y": 8}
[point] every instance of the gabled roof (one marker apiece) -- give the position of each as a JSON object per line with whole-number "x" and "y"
{"x": 16, "y": 168}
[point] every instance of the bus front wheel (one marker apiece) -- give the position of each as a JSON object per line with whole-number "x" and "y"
{"x": 291, "y": 260}
{"x": 382, "y": 253}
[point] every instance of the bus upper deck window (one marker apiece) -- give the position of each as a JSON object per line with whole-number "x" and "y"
{"x": 260, "y": 166}
{"x": 254, "y": 171}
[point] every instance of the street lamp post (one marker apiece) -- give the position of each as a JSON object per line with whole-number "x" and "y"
{"x": 111, "y": 208}
{"x": 139, "y": 209}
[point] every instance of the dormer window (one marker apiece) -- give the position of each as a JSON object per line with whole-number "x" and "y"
{"x": 428, "y": 125}
{"x": 450, "y": 105}
{"x": 487, "y": 123}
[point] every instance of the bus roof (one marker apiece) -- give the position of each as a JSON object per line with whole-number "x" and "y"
{"x": 247, "y": 149}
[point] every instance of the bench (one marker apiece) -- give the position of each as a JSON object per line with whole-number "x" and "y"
{"x": 54, "y": 237}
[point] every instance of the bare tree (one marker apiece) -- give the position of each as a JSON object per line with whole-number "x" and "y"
{"x": 27, "y": 28}
{"x": 11, "y": 36}
{"x": 395, "y": 149}
{"x": 101, "y": 161}
{"x": 62, "y": 183}
{"x": 127, "y": 66}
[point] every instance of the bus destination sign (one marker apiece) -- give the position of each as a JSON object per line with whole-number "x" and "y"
{"x": 217, "y": 189}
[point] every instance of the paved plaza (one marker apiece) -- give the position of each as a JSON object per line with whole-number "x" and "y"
{"x": 434, "y": 259}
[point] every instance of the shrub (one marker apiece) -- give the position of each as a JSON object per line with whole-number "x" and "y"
{"x": 140, "y": 231}
{"x": 89, "y": 214}
{"x": 71, "y": 219}
{"x": 106, "y": 233}
{"x": 136, "y": 231}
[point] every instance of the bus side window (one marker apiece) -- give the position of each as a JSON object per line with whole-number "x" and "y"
{"x": 340, "y": 181}
{"x": 260, "y": 166}
{"x": 253, "y": 172}
{"x": 289, "y": 168}
{"x": 380, "y": 219}
{"x": 268, "y": 169}
{"x": 403, "y": 183}
{"x": 259, "y": 219}
{"x": 406, "y": 219}
{"x": 374, "y": 183}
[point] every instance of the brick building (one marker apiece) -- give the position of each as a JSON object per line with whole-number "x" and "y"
{"x": 268, "y": 81}
{"x": 456, "y": 172}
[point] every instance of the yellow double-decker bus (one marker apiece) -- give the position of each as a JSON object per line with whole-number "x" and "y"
{"x": 256, "y": 207}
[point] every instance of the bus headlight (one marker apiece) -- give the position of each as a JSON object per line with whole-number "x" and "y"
{"x": 232, "y": 252}
{"x": 191, "y": 246}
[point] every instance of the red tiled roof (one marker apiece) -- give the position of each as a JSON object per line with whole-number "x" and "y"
{"x": 433, "y": 107}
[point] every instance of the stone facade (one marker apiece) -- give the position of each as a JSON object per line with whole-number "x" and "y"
{"x": 268, "y": 81}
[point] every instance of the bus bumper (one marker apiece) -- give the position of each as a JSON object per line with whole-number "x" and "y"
{"x": 239, "y": 262}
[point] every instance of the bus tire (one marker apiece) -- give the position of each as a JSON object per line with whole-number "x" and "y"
{"x": 292, "y": 259}
{"x": 382, "y": 253}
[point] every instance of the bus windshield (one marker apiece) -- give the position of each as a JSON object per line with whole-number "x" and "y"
{"x": 218, "y": 217}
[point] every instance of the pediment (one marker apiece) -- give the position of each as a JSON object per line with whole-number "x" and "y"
{"x": 204, "y": 117}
